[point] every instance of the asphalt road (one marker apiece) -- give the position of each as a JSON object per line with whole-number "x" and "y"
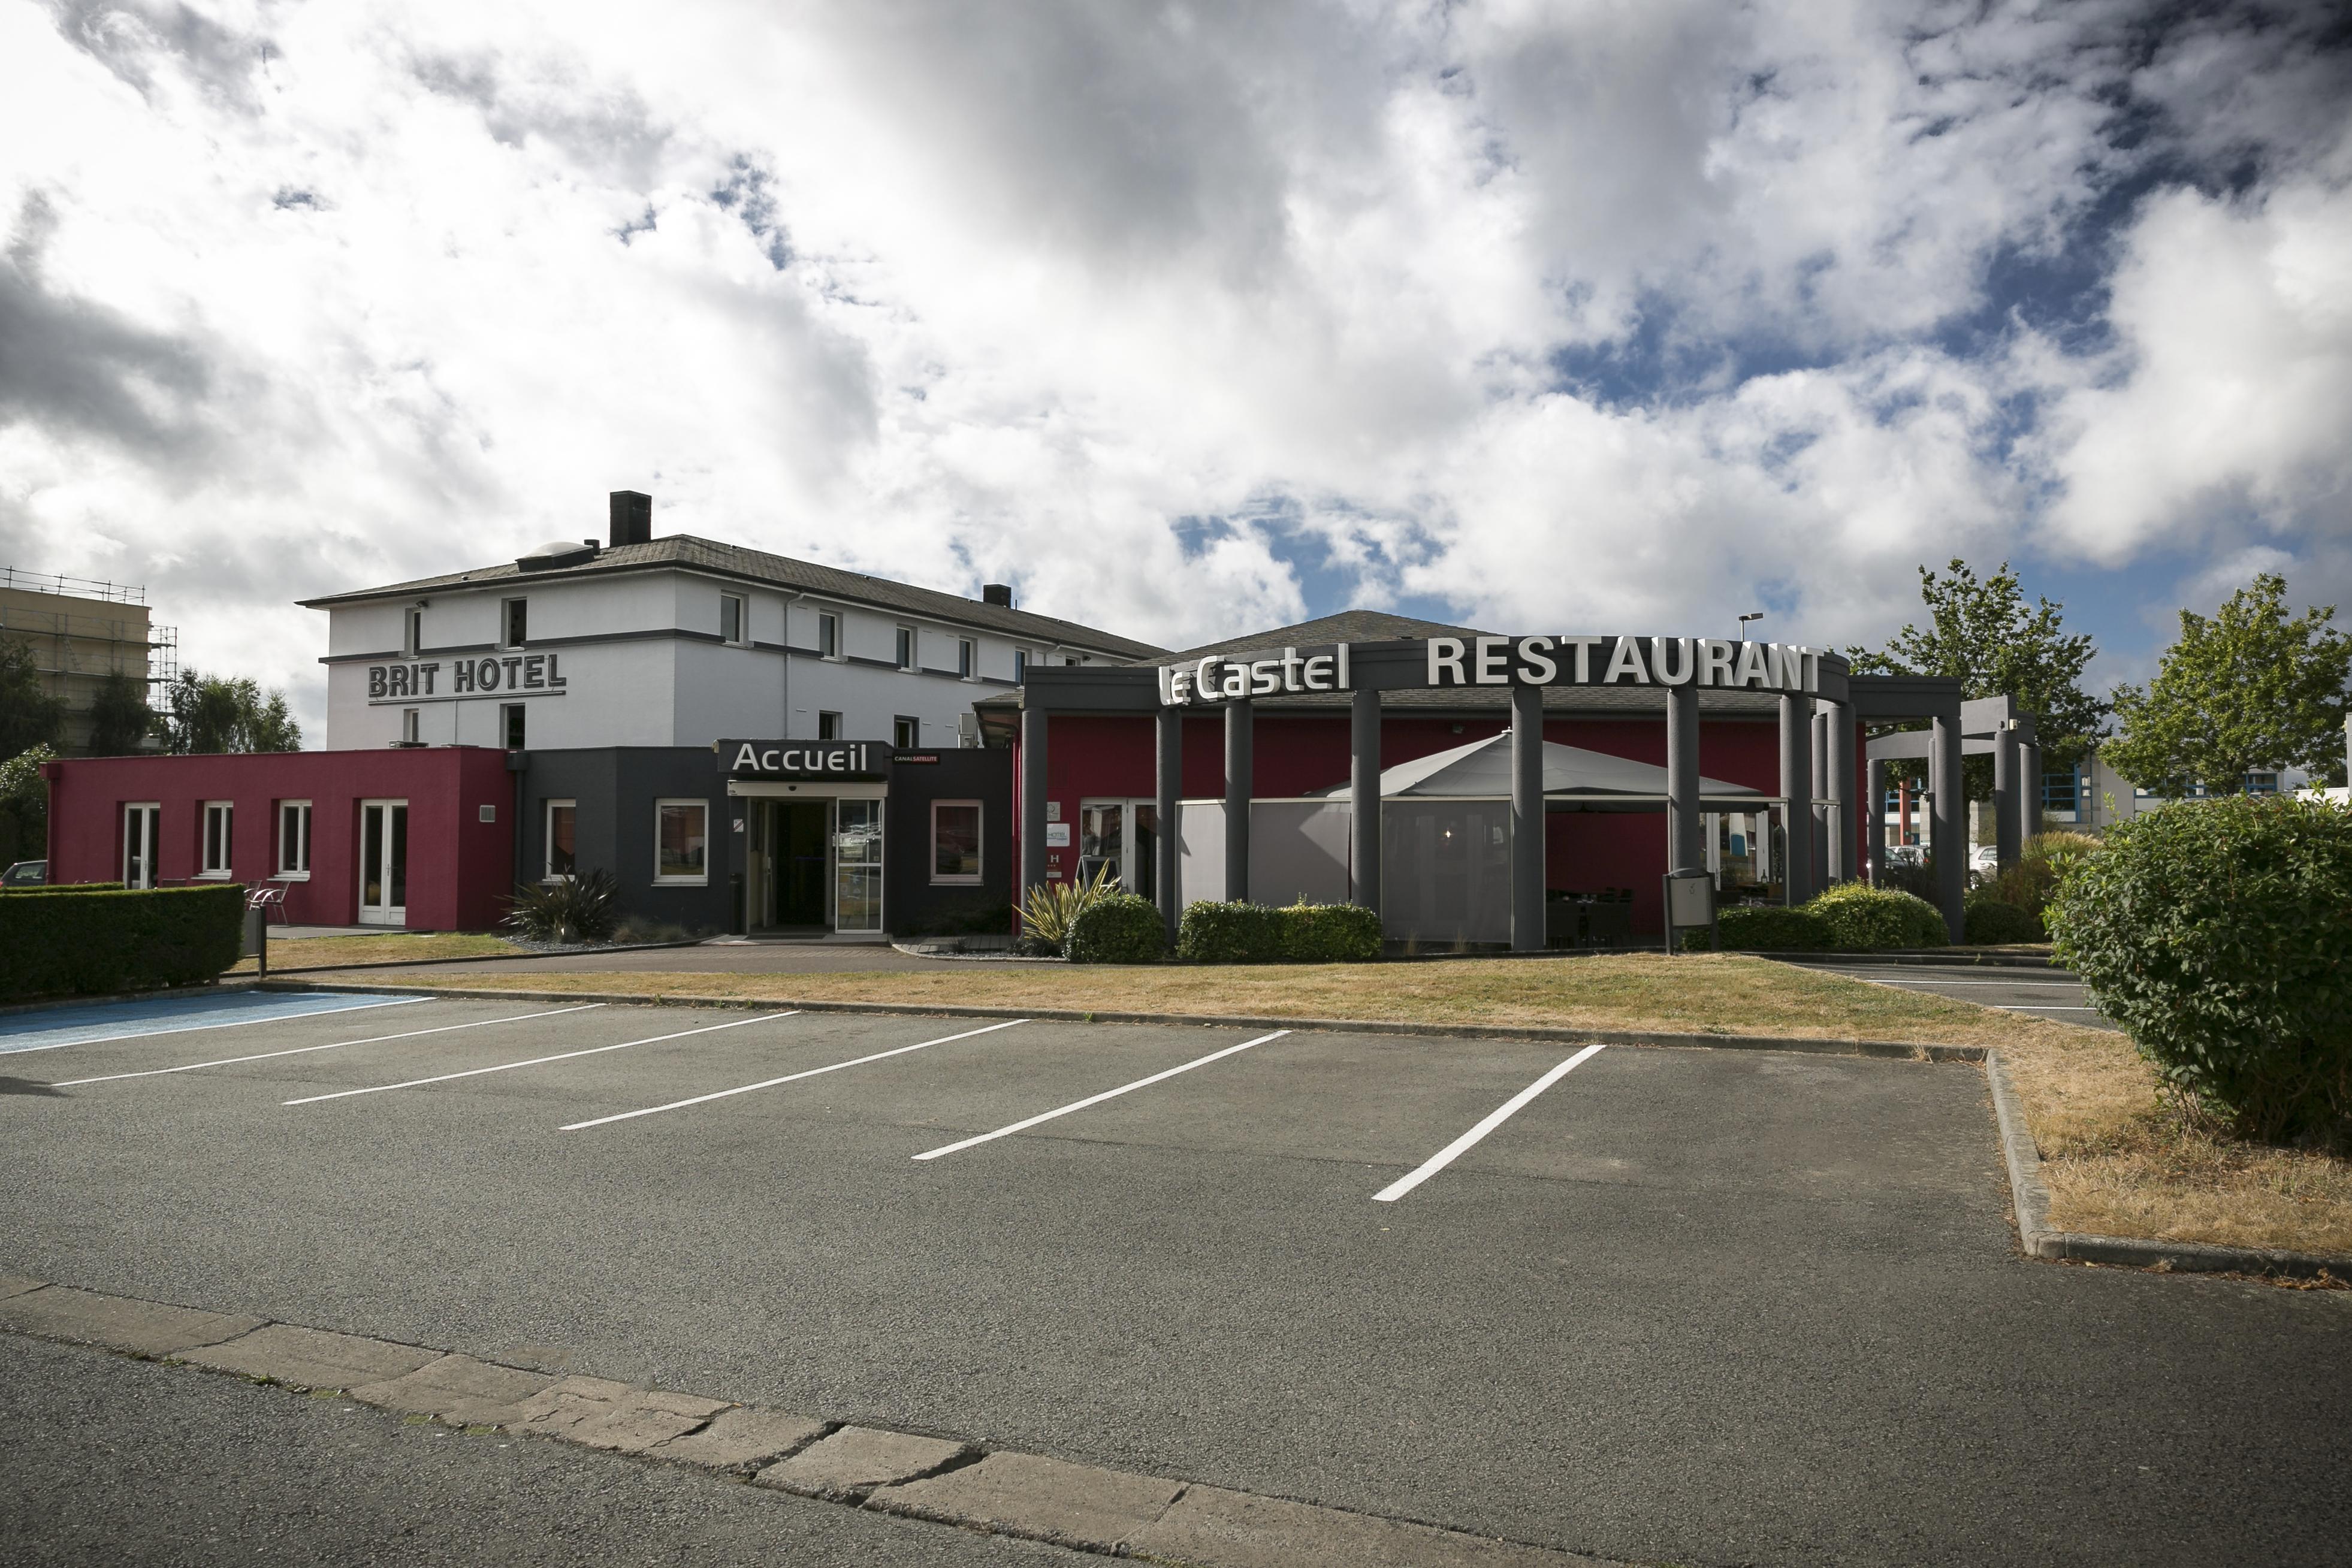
{"x": 114, "y": 1461}
{"x": 2054, "y": 993}
{"x": 1708, "y": 1306}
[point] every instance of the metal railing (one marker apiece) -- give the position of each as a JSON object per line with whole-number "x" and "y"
{"x": 71, "y": 587}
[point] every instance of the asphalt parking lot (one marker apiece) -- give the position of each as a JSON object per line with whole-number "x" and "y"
{"x": 2053, "y": 994}
{"x": 1719, "y": 1306}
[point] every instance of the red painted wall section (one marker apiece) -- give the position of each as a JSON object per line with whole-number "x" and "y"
{"x": 459, "y": 867}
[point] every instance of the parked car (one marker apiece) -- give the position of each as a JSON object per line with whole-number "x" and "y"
{"x": 1906, "y": 855}
{"x": 26, "y": 873}
{"x": 1985, "y": 858}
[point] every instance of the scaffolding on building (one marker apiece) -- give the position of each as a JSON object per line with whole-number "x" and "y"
{"x": 82, "y": 631}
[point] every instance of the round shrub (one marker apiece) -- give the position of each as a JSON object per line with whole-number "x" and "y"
{"x": 2215, "y": 932}
{"x": 1331, "y": 933}
{"x": 1119, "y": 928}
{"x": 1992, "y": 920}
{"x": 1765, "y": 928}
{"x": 1861, "y": 918}
{"x": 1237, "y": 933}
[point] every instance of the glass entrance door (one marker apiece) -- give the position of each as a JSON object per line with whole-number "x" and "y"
{"x": 138, "y": 825}
{"x": 1125, "y": 836}
{"x": 857, "y": 865}
{"x": 383, "y": 863}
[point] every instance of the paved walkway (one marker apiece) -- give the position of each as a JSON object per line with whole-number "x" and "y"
{"x": 2055, "y": 994}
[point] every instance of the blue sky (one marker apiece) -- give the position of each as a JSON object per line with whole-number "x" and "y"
{"x": 1189, "y": 318}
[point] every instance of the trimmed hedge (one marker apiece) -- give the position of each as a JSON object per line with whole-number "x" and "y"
{"x": 1119, "y": 929}
{"x": 1257, "y": 934}
{"x": 67, "y": 887}
{"x": 1865, "y": 919}
{"x": 1765, "y": 928}
{"x": 1991, "y": 919}
{"x": 75, "y": 942}
{"x": 2216, "y": 933}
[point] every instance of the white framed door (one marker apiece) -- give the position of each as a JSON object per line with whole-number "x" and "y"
{"x": 1125, "y": 836}
{"x": 140, "y": 824}
{"x": 383, "y": 863}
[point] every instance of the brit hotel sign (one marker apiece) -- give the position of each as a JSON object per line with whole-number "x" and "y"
{"x": 529, "y": 675}
{"x": 1439, "y": 662}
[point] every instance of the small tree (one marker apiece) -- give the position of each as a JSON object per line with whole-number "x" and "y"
{"x": 204, "y": 714}
{"x": 2248, "y": 689}
{"x": 25, "y": 807}
{"x": 120, "y": 717}
{"x": 30, "y": 716}
{"x": 1983, "y": 633}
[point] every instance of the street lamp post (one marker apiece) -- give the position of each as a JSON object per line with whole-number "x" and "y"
{"x": 1751, "y": 615}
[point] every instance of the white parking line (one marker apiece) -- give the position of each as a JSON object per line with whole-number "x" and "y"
{"x": 1494, "y": 1119}
{"x": 536, "y": 1060}
{"x": 787, "y": 1078}
{"x": 232, "y": 1023}
{"x": 306, "y": 1050}
{"x": 1098, "y": 1099}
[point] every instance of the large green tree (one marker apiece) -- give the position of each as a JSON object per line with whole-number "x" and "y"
{"x": 25, "y": 805}
{"x": 2248, "y": 689}
{"x": 207, "y": 713}
{"x": 120, "y": 717}
{"x": 30, "y": 716}
{"x": 1983, "y": 632}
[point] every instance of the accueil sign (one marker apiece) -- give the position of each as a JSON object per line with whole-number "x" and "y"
{"x": 820, "y": 759}
{"x": 1446, "y": 662}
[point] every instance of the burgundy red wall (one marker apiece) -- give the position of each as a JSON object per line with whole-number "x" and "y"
{"x": 459, "y": 867}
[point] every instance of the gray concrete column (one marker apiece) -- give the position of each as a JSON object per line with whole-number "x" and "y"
{"x": 1686, "y": 833}
{"x": 1364, "y": 796}
{"x": 2030, "y": 766}
{"x": 1241, "y": 731}
{"x": 1527, "y": 820}
{"x": 1033, "y": 798}
{"x": 1947, "y": 824}
{"x": 1797, "y": 789}
{"x": 2008, "y": 796}
{"x": 1874, "y": 822}
{"x": 1168, "y": 768}
{"x": 1837, "y": 723}
{"x": 1821, "y": 830}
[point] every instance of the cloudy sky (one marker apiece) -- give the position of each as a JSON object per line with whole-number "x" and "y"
{"x": 1187, "y": 319}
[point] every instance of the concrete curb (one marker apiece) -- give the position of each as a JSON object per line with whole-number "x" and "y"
{"x": 2036, "y": 1238}
{"x": 1087, "y": 1508}
{"x": 1900, "y": 1050}
{"x": 76, "y": 999}
{"x": 1934, "y": 957}
{"x": 475, "y": 958}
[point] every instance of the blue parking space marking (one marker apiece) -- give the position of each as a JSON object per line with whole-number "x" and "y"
{"x": 51, "y": 1028}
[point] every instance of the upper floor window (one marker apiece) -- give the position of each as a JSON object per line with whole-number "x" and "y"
{"x": 828, "y": 635}
{"x": 828, "y": 725}
{"x": 906, "y": 649}
{"x": 516, "y": 629}
{"x": 966, "y": 656}
{"x": 216, "y": 824}
{"x": 410, "y": 722}
{"x": 1071, "y": 659}
{"x": 731, "y": 618}
{"x": 511, "y": 725}
{"x": 905, "y": 733}
{"x": 1020, "y": 665}
{"x": 412, "y": 633}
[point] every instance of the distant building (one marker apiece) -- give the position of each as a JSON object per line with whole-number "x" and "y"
{"x": 79, "y": 633}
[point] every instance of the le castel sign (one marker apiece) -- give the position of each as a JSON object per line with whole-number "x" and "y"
{"x": 1436, "y": 664}
{"x": 834, "y": 760}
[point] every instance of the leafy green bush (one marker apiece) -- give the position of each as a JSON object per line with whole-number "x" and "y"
{"x": 1331, "y": 933}
{"x": 1990, "y": 920}
{"x": 1865, "y": 919}
{"x": 1119, "y": 929}
{"x": 72, "y": 941}
{"x": 2043, "y": 862}
{"x": 569, "y": 909}
{"x": 2216, "y": 933}
{"x": 1765, "y": 928}
{"x": 1053, "y": 907}
{"x": 1231, "y": 933}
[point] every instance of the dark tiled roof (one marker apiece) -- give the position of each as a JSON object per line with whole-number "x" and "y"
{"x": 759, "y": 566}
{"x": 1348, "y": 626}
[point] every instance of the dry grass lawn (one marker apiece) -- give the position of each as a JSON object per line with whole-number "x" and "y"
{"x": 2115, "y": 1162}
{"x": 286, "y": 955}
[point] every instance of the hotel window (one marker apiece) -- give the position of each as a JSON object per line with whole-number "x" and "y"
{"x": 517, "y": 626}
{"x": 679, "y": 838}
{"x": 511, "y": 725}
{"x": 1020, "y": 665}
{"x": 828, "y": 635}
{"x": 955, "y": 840}
{"x": 966, "y": 656}
{"x": 294, "y": 840}
{"x": 906, "y": 649}
{"x": 828, "y": 725}
{"x": 215, "y": 859}
{"x": 731, "y": 618}
{"x": 562, "y": 855}
{"x": 906, "y": 733}
{"x": 412, "y": 636}
{"x": 408, "y": 727}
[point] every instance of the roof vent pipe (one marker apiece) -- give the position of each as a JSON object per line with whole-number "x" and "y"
{"x": 996, "y": 593}
{"x": 633, "y": 519}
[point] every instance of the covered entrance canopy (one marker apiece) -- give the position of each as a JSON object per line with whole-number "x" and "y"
{"x": 1571, "y": 776}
